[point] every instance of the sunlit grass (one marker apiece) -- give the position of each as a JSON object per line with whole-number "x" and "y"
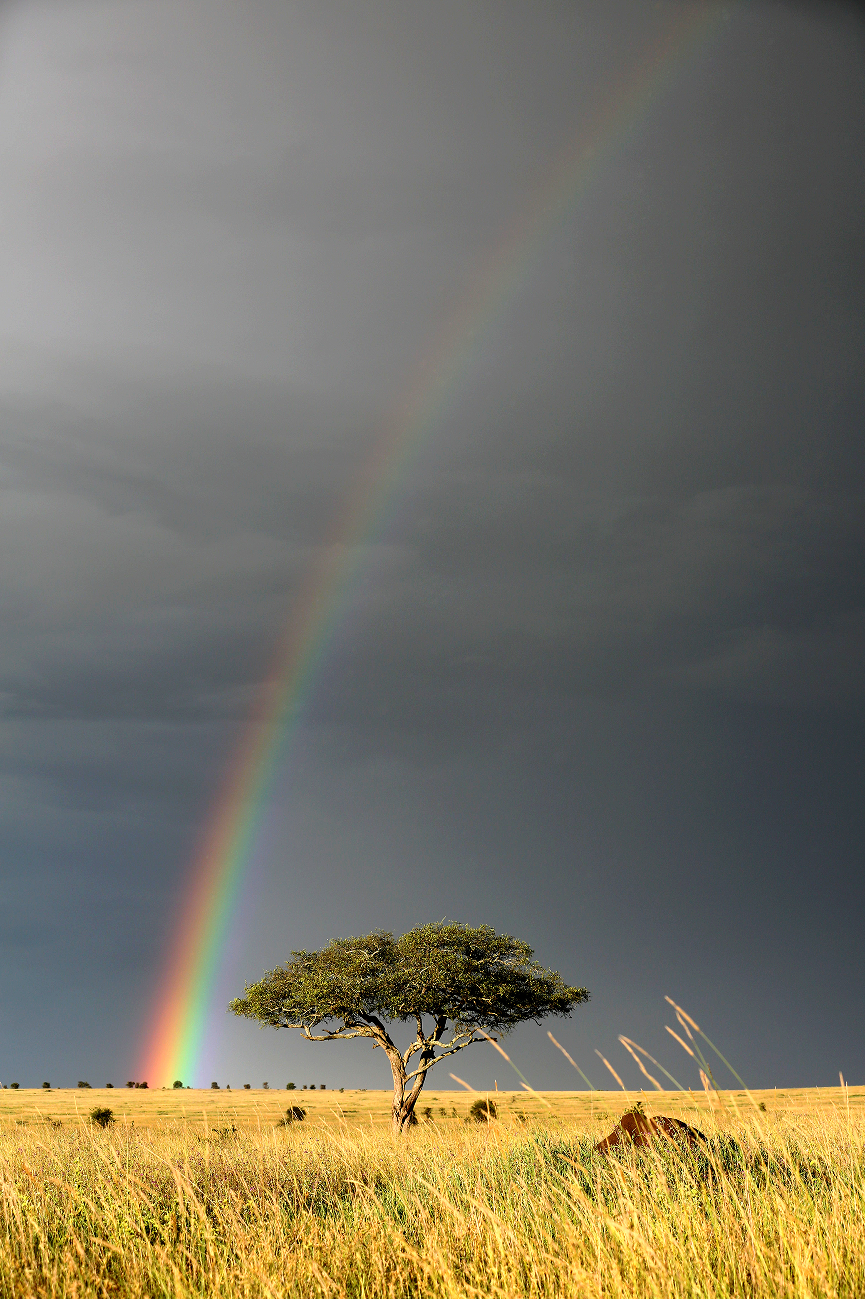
{"x": 506, "y": 1209}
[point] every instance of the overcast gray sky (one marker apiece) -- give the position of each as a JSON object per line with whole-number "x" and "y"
{"x": 602, "y": 682}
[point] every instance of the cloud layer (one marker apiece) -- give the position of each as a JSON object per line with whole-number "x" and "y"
{"x": 603, "y": 663}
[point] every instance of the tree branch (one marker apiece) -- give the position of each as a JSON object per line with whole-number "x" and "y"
{"x": 380, "y": 1032}
{"x": 355, "y": 1030}
{"x": 451, "y": 1049}
{"x": 427, "y": 1060}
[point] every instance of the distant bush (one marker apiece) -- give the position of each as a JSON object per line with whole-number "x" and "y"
{"x": 214, "y": 1086}
{"x": 482, "y": 1111}
{"x": 294, "y": 1114}
{"x": 130, "y": 1084}
{"x": 246, "y": 1087}
{"x": 266, "y": 1086}
{"x": 177, "y": 1084}
{"x": 47, "y": 1086}
{"x": 14, "y": 1086}
{"x": 144, "y": 1085}
{"x": 289, "y": 1087}
{"x": 102, "y": 1116}
{"x": 109, "y": 1084}
{"x": 322, "y": 1087}
{"x": 82, "y": 1084}
{"x": 312, "y": 1087}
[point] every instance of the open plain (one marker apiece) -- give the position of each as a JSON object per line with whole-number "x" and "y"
{"x": 205, "y": 1192}
{"x": 261, "y": 1109}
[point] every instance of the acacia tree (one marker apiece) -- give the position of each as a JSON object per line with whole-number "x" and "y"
{"x": 455, "y": 982}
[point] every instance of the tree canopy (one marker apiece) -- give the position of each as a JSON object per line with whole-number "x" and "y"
{"x": 474, "y": 979}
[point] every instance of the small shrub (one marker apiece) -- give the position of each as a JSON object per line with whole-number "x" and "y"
{"x": 246, "y": 1087}
{"x": 83, "y": 1084}
{"x": 223, "y": 1134}
{"x": 109, "y": 1084}
{"x": 130, "y": 1084}
{"x": 266, "y": 1086}
{"x": 102, "y": 1116}
{"x": 482, "y": 1111}
{"x": 289, "y": 1087}
{"x": 14, "y": 1086}
{"x": 312, "y": 1087}
{"x": 214, "y": 1086}
{"x": 144, "y": 1085}
{"x": 177, "y": 1084}
{"x": 322, "y": 1087}
{"x": 47, "y": 1086}
{"x": 294, "y": 1114}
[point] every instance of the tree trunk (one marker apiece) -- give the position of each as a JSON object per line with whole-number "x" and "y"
{"x": 404, "y": 1098}
{"x": 400, "y": 1113}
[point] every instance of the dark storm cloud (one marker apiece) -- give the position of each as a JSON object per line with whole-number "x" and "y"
{"x": 614, "y": 627}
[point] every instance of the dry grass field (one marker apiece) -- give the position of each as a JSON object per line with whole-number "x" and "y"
{"x": 200, "y": 1193}
{"x": 259, "y": 1109}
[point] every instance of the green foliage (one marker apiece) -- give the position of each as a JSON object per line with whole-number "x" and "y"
{"x": 473, "y": 977}
{"x": 102, "y": 1116}
{"x": 47, "y": 1086}
{"x": 14, "y": 1086}
{"x": 83, "y": 1084}
{"x": 177, "y": 1084}
{"x": 289, "y": 1087}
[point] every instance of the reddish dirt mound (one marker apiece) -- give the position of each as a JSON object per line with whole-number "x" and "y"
{"x": 640, "y": 1130}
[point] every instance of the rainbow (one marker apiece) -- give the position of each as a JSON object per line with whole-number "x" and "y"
{"x": 178, "y": 1026}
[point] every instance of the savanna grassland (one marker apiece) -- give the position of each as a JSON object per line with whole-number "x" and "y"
{"x": 200, "y": 1193}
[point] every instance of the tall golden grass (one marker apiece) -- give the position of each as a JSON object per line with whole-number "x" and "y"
{"x": 776, "y": 1207}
